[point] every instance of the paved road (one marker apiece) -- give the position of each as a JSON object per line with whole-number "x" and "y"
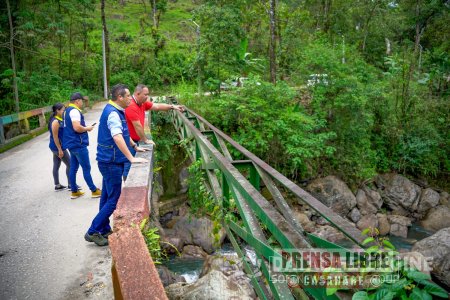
{"x": 43, "y": 254}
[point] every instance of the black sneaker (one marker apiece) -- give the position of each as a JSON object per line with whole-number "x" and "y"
{"x": 79, "y": 187}
{"x": 105, "y": 235}
{"x": 96, "y": 238}
{"x": 59, "y": 187}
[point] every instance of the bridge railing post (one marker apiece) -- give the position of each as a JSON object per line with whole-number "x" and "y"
{"x": 2, "y": 132}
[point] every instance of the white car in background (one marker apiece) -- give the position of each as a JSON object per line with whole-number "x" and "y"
{"x": 315, "y": 79}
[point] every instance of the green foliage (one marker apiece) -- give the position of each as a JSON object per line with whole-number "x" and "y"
{"x": 266, "y": 120}
{"x": 343, "y": 101}
{"x": 201, "y": 201}
{"x": 152, "y": 239}
{"x": 221, "y": 35}
{"x": 412, "y": 283}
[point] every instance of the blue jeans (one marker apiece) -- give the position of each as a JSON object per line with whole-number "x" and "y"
{"x": 111, "y": 189}
{"x": 127, "y": 165}
{"x": 80, "y": 157}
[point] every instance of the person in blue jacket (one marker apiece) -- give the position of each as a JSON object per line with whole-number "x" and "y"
{"x": 55, "y": 128}
{"x": 113, "y": 151}
{"x": 75, "y": 138}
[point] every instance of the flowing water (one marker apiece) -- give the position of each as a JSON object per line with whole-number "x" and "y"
{"x": 190, "y": 268}
{"x": 415, "y": 233}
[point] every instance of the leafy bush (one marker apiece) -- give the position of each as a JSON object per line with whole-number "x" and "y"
{"x": 268, "y": 121}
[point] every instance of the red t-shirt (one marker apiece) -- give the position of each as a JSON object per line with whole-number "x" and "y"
{"x": 135, "y": 112}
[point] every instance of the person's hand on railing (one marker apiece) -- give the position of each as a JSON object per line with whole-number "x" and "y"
{"x": 149, "y": 142}
{"x": 140, "y": 149}
{"x": 137, "y": 160}
{"x": 177, "y": 107}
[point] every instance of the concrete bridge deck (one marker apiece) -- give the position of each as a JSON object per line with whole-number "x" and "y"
{"x": 43, "y": 254}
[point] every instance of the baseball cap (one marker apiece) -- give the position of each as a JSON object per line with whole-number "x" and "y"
{"x": 76, "y": 96}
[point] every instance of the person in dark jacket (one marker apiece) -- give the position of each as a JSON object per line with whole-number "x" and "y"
{"x": 75, "y": 138}
{"x": 113, "y": 150}
{"x": 55, "y": 128}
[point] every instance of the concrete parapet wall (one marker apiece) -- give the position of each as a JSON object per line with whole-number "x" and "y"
{"x": 134, "y": 274}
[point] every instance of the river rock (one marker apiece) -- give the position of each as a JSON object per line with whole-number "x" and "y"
{"x": 444, "y": 199}
{"x": 398, "y": 192}
{"x": 437, "y": 218}
{"x": 417, "y": 260}
{"x": 306, "y": 223}
{"x": 367, "y": 221}
{"x": 428, "y": 199}
{"x": 355, "y": 215}
{"x": 190, "y": 251}
{"x": 437, "y": 247}
{"x": 329, "y": 233}
{"x": 168, "y": 277}
{"x": 373, "y": 197}
{"x": 383, "y": 224}
{"x": 225, "y": 263}
{"x": 399, "y": 225}
{"x": 365, "y": 206}
{"x": 334, "y": 193}
{"x": 198, "y": 232}
{"x": 215, "y": 285}
{"x": 171, "y": 241}
{"x": 182, "y": 177}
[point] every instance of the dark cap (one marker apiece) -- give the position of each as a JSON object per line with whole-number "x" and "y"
{"x": 76, "y": 96}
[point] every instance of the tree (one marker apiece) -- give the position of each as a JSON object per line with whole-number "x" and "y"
{"x": 13, "y": 59}
{"x": 273, "y": 42}
{"x": 107, "y": 50}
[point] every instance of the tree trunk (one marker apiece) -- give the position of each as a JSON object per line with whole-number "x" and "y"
{"x": 60, "y": 41}
{"x": 70, "y": 48}
{"x": 13, "y": 59}
{"x": 366, "y": 26}
{"x": 272, "y": 43}
{"x": 107, "y": 50}
{"x": 154, "y": 13}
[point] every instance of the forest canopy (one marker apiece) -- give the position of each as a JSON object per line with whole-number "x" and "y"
{"x": 345, "y": 87}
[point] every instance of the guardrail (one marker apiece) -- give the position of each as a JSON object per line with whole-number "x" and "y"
{"x": 133, "y": 271}
{"x": 240, "y": 180}
{"x": 22, "y": 119}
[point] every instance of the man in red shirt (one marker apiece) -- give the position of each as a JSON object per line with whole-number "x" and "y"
{"x": 135, "y": 116}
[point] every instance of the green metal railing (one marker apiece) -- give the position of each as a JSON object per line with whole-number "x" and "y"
{"x": 241, "y": 180}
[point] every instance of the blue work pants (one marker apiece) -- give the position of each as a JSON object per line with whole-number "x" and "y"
{"x": 80, "y": 157}
{"x": 127, "y": 165}
{"x": 111, "y": 189}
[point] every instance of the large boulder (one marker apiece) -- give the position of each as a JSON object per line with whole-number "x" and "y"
{"x": 329, "y": 233}
{"x": 172, "y": 243}
{"x": 215, "y": 285}
{"x": 334, "y": 193}
{"x": 354, "y": 215}
{"x": 428, "y": 199}
{"x": 168, "y": 277}
{"x": 367, "y": 221}
{"x": 444, "y": 199}
{"x": 199, "y": 232}
{"x": 437, "y": 247}
{"x": 307, "y": 224}
{"x": 191, "y": 251}
{"x": 227, "y": 263}
{"x": 399, "y": 193}
{"x": 365, "y": 206}
{"x": 383, "y": 224}
{"x": 399, "y": 225}
{"x": 437, "y": 218}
